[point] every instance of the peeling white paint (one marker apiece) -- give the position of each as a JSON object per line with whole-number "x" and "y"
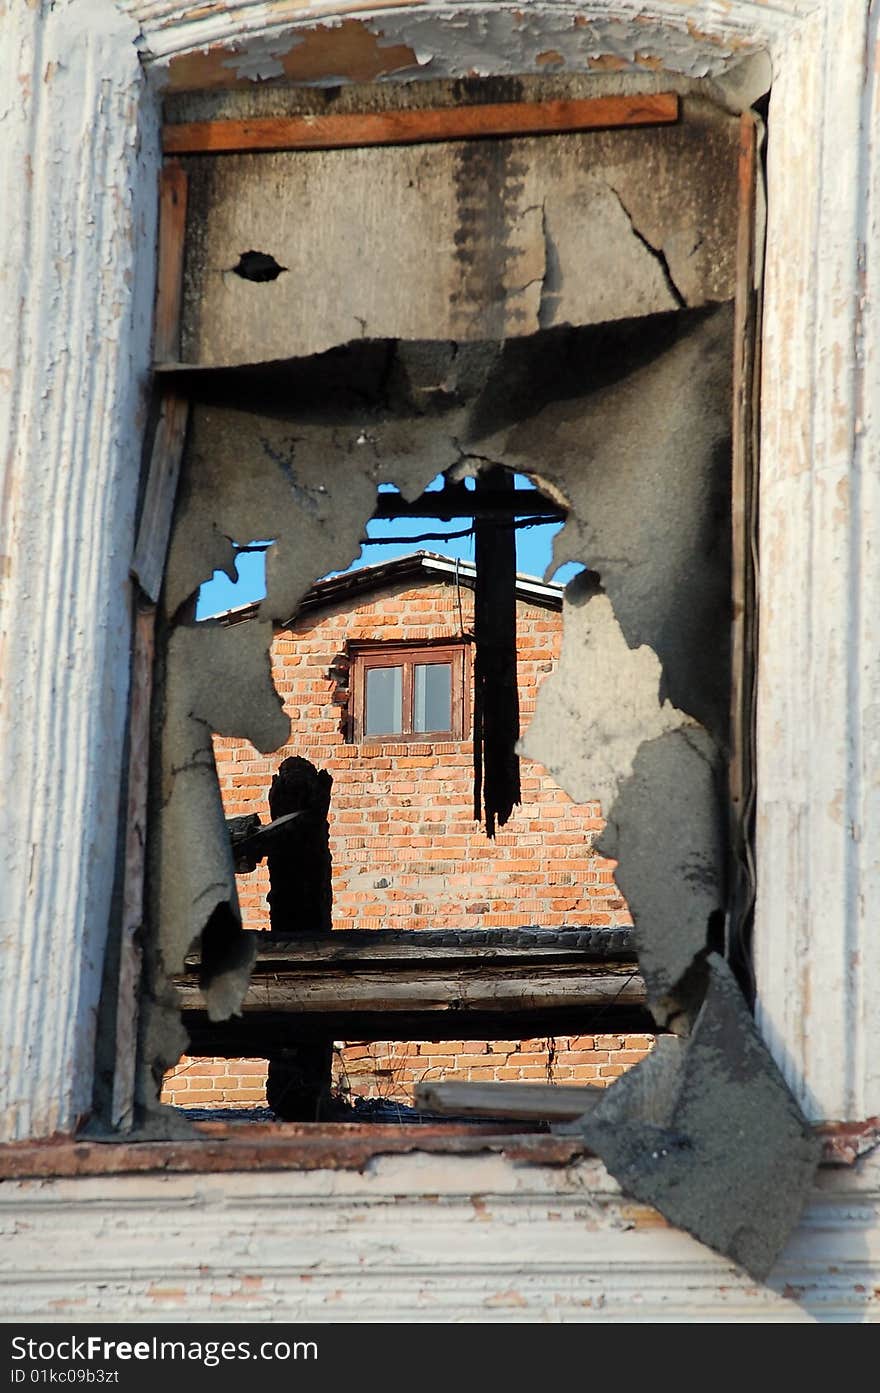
{"x": 78, "y": 168}
{"x": 413, "y": 1238}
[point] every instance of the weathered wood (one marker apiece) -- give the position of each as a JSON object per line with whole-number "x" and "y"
{"x": 451, "y": 990}
{"x": 744, "y": 534}
{"x": 583, "y": 946}
{"x": 157, "y": 511}
{"x": 418, "y": 127}
{"x": 251, "y": 1147}
{"x": 169, "y": 279}
{"x": 518, "y": 1101}
{"x": 130, "y": 952}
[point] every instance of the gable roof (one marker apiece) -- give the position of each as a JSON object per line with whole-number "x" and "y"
{"x": 424, "y": 566}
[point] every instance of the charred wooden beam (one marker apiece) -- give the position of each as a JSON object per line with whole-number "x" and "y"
{"x": 458, "y": 501}
{"x": 496, "y": 691}
{"x": 252, "y": 839}
{"x": 529, "y": 944}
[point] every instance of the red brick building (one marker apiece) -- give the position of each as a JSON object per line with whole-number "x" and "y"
{"x": 375, "y": 673}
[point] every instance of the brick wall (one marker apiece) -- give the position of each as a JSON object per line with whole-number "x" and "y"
{"x": 390, "y": 1069}
{"x": 406, "y": 851}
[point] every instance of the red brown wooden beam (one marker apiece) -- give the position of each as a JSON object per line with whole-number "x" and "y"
{"x": 417, "y": 127}
{"x": 169, "y": 283}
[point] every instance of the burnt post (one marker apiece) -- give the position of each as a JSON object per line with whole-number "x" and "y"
{"x": 301, "y": 895}
{"x": 300, "y": 900}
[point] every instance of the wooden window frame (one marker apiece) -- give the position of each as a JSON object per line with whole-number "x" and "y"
{"x": 409, "y": 655}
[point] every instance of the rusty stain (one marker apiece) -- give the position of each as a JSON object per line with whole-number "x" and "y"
{"x": 650, "y": 60}
{"x": 642, "y": 1216}
{"x": 348, "y": 50}
{"x": 608, "y": 62}
{"x": 481, "y": 1214}
{"x": 844, "y": 1143}
{"x": 703, "y": 36}
{"x": 835, "y": 808}
{"x": 551, "y": 57}
{"x": 506, "y": 1298}
{"x": 167, "y": 1293}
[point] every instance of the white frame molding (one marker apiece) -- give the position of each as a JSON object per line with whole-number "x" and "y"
{"x": 79, "y": 174}
{"x": 412, "y": 1238}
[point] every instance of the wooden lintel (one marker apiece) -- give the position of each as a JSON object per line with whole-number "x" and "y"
{"x": 354, "y": 948}
{"x": 416, "y": 127}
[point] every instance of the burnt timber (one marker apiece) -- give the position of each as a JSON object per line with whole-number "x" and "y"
{"x": 388, "y": 984}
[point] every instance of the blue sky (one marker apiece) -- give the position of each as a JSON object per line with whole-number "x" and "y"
{"x": 533, "y": 555}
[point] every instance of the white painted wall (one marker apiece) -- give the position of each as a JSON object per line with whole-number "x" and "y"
{"x": 78, "y": 159}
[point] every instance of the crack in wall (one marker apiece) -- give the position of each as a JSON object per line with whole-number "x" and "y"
{"x": 656, "y": 252}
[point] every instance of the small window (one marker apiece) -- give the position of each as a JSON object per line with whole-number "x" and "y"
{"x": 408, "y": 693}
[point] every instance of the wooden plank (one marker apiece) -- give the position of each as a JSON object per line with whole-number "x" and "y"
{"x": 169, "y": 282}
{"x": 450, "y": 990}
{"x": 517, "y": 1101}
{"x": 744, "y": 494}
{"x": 418, "y": 127}
{"x": 157, "y": 511}
{"x": 130, "y": 953}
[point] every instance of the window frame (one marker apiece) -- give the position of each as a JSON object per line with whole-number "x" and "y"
{"x": 410, "y": 654}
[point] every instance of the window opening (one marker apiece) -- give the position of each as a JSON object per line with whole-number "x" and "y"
{"x": 510, "y": 357}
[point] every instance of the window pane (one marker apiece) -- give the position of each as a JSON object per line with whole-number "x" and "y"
{"x": 384, "y": 704}
{"x": 432, "y": 697}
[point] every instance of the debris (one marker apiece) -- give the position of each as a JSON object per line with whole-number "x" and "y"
{"x": 706, "y": 1131}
